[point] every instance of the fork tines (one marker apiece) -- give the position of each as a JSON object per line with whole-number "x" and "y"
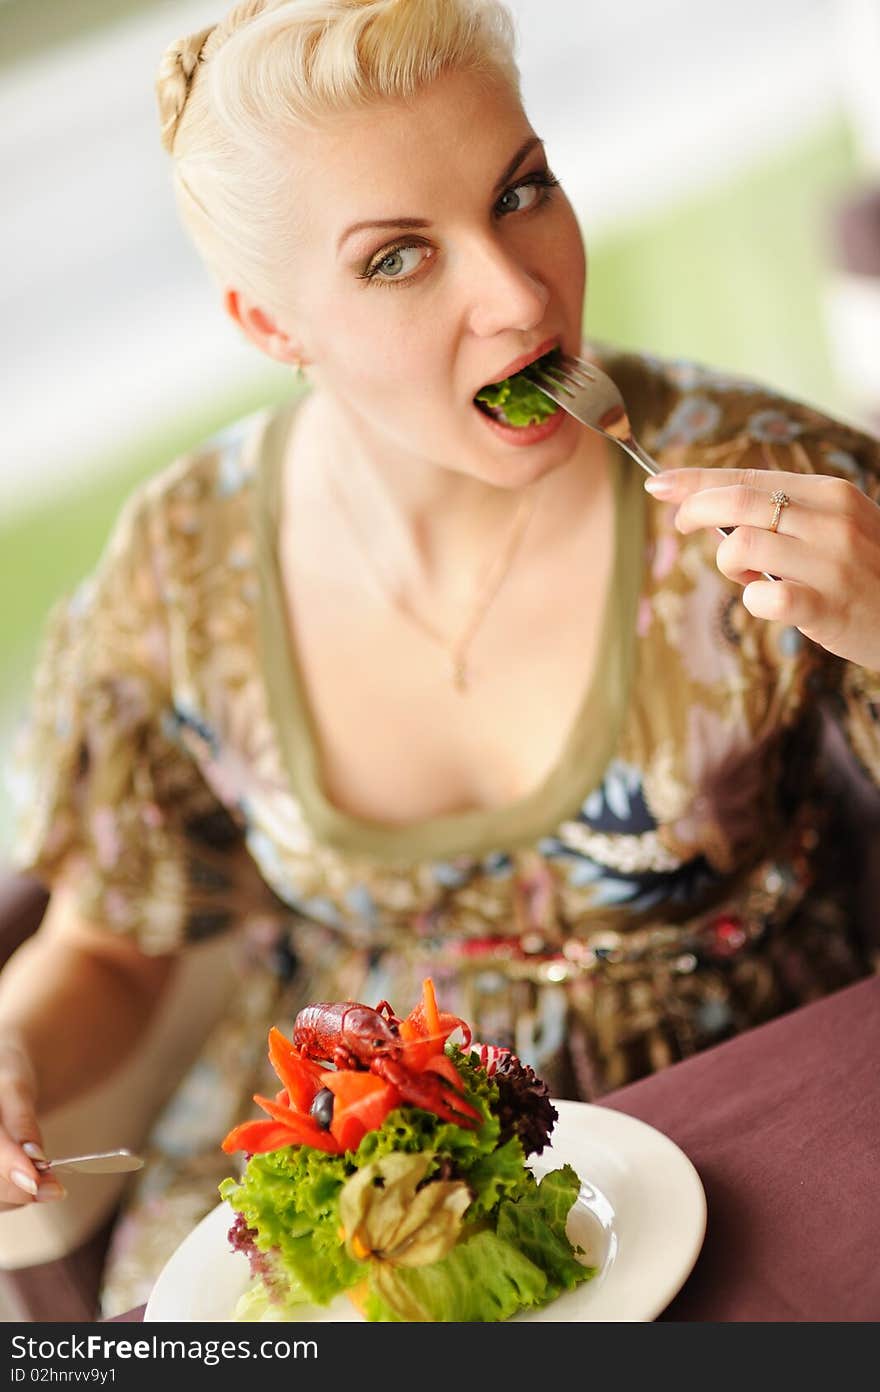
{"x": 577, "y": 367}
{"x": 563, "y": 374}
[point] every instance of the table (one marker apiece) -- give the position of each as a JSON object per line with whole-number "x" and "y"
{"x": 783, "y": 1126}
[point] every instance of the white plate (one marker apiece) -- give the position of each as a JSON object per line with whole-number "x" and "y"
{"x": 640, "y": 1216}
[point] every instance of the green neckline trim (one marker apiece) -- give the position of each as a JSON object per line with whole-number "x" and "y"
{"x": 582, "y": 761}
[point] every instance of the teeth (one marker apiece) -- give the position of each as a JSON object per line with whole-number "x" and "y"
{"x": 496, "y": 412}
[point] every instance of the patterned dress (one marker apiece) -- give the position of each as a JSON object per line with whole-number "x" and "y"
{"x": 681, "y": 874}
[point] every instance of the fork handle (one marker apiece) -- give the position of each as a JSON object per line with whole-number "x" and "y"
{"x": 633, "y": 448}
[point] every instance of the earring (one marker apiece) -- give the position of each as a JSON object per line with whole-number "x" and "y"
{"x": 300, "y": 376}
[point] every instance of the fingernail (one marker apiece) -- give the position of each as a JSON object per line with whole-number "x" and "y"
{"x": 660, "y": 487}
{"x": 24, "y": 1182}
{"x": 34, "y": 1151}
{"x": 50, "y": 1189}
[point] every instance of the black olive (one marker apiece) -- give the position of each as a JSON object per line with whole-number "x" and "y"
{"x": 321, "y": 1109}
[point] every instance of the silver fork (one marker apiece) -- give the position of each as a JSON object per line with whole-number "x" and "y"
{"x": 589, "y": 394}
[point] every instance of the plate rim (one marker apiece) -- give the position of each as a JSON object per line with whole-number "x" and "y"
{"x": 689, "y": 1171}
{"x": 570, "y": 1113}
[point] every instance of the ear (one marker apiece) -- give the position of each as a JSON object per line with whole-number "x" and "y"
{"x": 262, "y": 330}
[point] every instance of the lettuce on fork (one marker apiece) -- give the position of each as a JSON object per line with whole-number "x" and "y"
{"x": 423, "y": 1218}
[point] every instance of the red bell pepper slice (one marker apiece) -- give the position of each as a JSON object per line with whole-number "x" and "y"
{"x": 256, "y": 1137}
{"x": 300, "y": 1076}
{"x": 362, "y": 1101}
{"x": 303, "y": 1131}
{"x": 426, "y": 1023}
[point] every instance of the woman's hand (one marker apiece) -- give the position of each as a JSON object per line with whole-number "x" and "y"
{"x": 826, "y": 549}
{"x": 20, "y": 1139}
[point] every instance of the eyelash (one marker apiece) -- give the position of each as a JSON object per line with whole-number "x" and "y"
{"x": 543, "y": 179}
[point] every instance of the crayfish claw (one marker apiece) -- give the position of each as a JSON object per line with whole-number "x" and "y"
{"x": 432, "y": 1092}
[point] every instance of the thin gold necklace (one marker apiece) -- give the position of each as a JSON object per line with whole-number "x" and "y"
{"x": 496, "y": 573}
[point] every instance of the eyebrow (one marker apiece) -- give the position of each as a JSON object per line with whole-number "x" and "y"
{"x": 408, "y": 222}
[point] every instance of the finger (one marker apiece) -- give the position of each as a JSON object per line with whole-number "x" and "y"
{"x": 784, "y": 601}
{"x": 20, "y": 1178}
{"x": 21, "y": 1142}
{"x": 676, "y": 484}
{"x": 11, "y": 1196}
{"x": 751, "y": 551}
{"x": 819, "y": 496}
{"x": 17, "y": 1167}
{"x": 740, "y": 505}
{"x": 827, "y": 512}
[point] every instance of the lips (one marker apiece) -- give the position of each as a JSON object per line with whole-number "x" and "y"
{"x": 519, "y": 363}
{"x": 525, "y": 435}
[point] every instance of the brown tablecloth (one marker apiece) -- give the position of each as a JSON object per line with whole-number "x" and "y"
{"x": 783, "y": 1126}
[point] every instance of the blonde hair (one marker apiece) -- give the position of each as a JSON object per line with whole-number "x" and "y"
{"x": 233, "y": 96}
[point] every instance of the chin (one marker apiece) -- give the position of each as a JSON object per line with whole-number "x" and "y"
{"x": 516, "y": 467}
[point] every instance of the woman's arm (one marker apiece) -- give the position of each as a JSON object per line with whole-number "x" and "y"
{"x": 74, "y": 1000}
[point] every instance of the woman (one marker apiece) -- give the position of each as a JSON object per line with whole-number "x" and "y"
{"x": 375, "y": 685}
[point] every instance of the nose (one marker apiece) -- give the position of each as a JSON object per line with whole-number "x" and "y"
{"x": 506, "y": 294}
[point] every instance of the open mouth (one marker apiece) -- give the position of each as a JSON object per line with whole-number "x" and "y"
{"x": 516, "y": 401}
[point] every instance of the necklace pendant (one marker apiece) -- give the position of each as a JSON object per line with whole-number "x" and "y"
{"x": 459, "y": 675}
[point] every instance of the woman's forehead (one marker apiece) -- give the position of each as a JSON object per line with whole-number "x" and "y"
{"x": 380, "y": 161}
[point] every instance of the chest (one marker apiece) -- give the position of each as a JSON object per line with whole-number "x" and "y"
{"x": 398, "y": 743}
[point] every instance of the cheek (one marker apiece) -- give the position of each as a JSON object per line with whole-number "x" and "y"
{"x": 376, "y": 348}
{"x": 381, "y": 357}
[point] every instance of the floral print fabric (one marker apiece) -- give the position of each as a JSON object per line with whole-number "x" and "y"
{"x": 702, "y": 884}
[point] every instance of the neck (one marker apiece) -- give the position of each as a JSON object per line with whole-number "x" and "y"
{"x": 438, "y": 520}
{"x": 437, "y": 528}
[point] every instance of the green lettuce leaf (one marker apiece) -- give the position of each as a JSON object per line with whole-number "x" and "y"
{"x": 535, "y": 1225}
{"x": 490, "y": 1275}
{"x": 290, "y": 1197}
{"x": 521, "y": 401}
{"x": 256, "y": 1305}
{"x": 501, "y": 1175}
{"x": 482, "y": 1279}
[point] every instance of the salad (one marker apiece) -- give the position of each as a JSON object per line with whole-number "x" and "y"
{"x": 391, "y": 1165}
{"x": 516, "y": 400}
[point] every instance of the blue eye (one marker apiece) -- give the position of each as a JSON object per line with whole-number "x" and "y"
{"x": 393, "y": 262}
{"x": 515, "y": 192}
{"x": 540, "y": 185}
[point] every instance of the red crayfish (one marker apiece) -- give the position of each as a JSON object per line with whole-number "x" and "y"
{"x": 354, "y": 1036}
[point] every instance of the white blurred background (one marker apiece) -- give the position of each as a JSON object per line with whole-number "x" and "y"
{"x": 706, "y": 147}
